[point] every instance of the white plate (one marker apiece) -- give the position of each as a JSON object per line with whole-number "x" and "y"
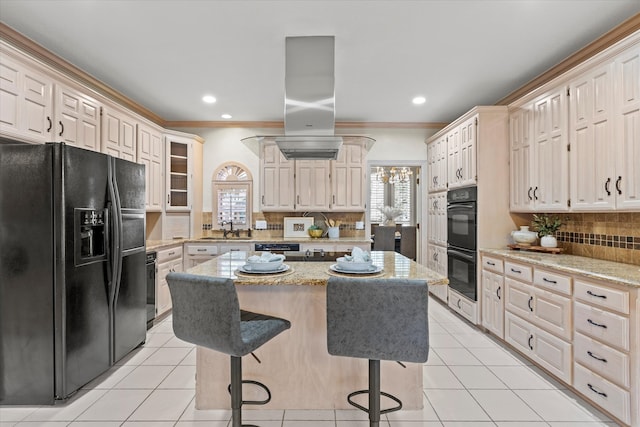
{"x": 281, "y": 269}
{"x": 373, "y": 270}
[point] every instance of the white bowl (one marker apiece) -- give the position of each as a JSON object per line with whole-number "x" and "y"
{"x": 265, "y": 266}
{"x": 345, "y": 265}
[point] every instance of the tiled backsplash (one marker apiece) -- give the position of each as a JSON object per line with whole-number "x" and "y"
{"x": 275, "y": 223}
{"x": 612, "y": 236}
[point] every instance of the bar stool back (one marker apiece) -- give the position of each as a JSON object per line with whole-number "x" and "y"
{"x": 206, "y": 312}
{"x": 377, "y": 319}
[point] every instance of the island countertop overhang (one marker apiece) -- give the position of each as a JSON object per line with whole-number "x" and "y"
{"x": 394, "y": 265}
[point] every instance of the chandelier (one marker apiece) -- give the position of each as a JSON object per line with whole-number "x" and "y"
{"x": 393, "y": 175}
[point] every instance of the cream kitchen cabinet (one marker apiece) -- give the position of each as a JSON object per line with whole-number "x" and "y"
{"x": 119, "y": 134}
{"x": 437, "y": 218}
{"x": 151, "y": 154}
{"x": 197, "y": 253}
{"x": 437, "y": 163}
{"x": 169, "y": 261}
{"x": 179, "y": 163}
{"x": 437, "y": 261}
{"x": 461, "y": 161}
{"x": 313, "y": 185}
{"x": 348, "y": 178}
{"x": 26, "y": 101}
{"x": 605, "y": 342}
{"x": 492, "y": 295}
{"x": 77, "y": 118}
{"x": 277, "y": 186}
{"x": 318, "y": 246}
{"x": 539, "y": 154}
{"x": 605, "y": 111}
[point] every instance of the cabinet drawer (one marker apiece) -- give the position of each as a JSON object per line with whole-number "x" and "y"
{"x": 604, "y": 326}
{"x": 462, "y": 306}
{"x": 202, "y": 249}
{"x": 614, "y": 299}
{"x": 493, "y": 264}
{"x": 169, "y": 254}
{"x": 518, "y": 271}
{"x": 552, "y": 281}
{"x": 553, "y": 313}
{"x": 604, "y": 393}
{"x": 602, "y": 359}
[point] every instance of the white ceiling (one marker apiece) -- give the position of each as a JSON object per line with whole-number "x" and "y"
{"x": 165, "y": 55}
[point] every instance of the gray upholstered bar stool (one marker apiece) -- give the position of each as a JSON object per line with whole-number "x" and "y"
{"x": 206, "y": 312}
{"x": 377, "y": 319}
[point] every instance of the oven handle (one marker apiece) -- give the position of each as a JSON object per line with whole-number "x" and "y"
{"x": 460, "y": 254}
{"x": 458, "y": 206}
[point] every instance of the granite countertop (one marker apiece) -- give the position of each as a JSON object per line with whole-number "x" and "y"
{"x": 608, "y": 271}
{"x": 314, "y": 273}
{"x": 159, "y": 244}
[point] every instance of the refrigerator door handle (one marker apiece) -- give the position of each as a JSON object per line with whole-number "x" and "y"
{"x": 115, "y": 234}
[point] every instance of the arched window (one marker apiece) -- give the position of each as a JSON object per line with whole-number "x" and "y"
{"x": 232, "y": 185}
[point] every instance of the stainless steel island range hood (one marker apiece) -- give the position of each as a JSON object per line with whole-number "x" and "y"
{"x": 309, "y": 105}
{"x": 309, "y": 88}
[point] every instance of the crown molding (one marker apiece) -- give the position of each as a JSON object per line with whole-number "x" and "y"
{"x": 32, "y": 48}
{"x": 608, "y": 39}
{"x": 280, "y": 125}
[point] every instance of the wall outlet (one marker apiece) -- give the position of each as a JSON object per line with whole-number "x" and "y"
{"x": 359, "y": 225}
{"x": 261, "y": 225}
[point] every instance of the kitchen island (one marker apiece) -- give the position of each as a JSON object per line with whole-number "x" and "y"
{"x": 296, "y": 365}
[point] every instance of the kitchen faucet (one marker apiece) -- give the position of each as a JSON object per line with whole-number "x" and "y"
{"x": 231, "y": 231}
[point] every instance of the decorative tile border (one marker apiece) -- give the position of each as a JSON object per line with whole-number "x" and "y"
{"x": 623, "y": 242}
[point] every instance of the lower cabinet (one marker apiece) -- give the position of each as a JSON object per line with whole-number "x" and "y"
{"x": 547, "y": 350}
{"x": 581, "y": 330}
{"x": 437, "y": 261}
{"x": 493, "y": 302}
{"x": 463, "y": 306}
{"x": 197, "y": 253}
{"x": 169, "y": 261}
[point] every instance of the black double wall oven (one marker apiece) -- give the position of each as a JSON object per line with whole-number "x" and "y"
{"x": 462, "y": 248}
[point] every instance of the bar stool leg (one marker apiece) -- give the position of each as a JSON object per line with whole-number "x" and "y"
{"x": 374, "y": 393}
{"x": 236, "y": 391}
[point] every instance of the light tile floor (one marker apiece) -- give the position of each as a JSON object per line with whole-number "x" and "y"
{"x": 470, "y": 380}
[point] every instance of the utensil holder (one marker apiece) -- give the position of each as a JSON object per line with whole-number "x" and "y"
{"x": 334, "y": 232}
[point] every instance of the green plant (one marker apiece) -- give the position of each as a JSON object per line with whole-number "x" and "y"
{"x": 546, "y": 225}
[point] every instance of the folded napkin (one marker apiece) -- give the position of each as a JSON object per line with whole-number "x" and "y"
{"x": 358, "y": 255}
{"x": 265, "y": 257}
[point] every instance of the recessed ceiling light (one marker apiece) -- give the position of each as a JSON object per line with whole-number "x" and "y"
{"x": 209, "y": 99}
{"x": 226, "y": 116}
{"x": 419, "y": 100}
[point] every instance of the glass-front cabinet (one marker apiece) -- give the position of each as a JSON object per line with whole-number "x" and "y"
{"x": 179, "y": 174}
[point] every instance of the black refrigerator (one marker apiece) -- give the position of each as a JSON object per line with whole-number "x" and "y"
{"x": 72, "y": 268}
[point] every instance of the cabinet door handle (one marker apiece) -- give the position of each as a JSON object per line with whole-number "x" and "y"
{"x": 298, "y": 199}
{"x": 263, "y": 199}
{"x": 516, "y": 271}
{"x": 596, "y": 295}
{"x": 459, "y": 305}
{"x": 50, "y": 124}
{"x": 529, "y": 304}
{"x": 600, "y": 325}
{"x": 529, "y": 193}
{"x": 168, "y": 199}
{"x": 61, "y": 128}
{"x": 544, "y": 279}
{"x": 435, "y": 180}
{"x": 498, "y": 292}
{"x": 529, "y": 342}
{"x": 618, "y": 181}
{"x": 535, "y": 190}
{"x": 596, "y": 357}
{"x": 171, "y": 253}
{"x": 201, "y": 250}
{"x": 491, "y": 263}
{"x": 596, "y": 391}
{"x": 334, "y": 199}
{"x": 606, "y": 186}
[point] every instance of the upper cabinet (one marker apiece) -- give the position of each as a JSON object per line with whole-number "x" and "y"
{"x": 277, "y": 191}
{"x": 119, "y": 134}
{"x": 437, "y": 164}
{"x": 312, "y": 185}
{"x": 26, "y": 102}
{"x": 575, "y": 142}
{"x": 179, "y": 173}
{"x": 77, "y": 118}
{"x": 151, "y": 154}
{"x": 348, "y": 177}
{"x": 461, "y": 163}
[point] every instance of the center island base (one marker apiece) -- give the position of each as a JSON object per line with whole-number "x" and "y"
{"x": 296, "y": 365}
